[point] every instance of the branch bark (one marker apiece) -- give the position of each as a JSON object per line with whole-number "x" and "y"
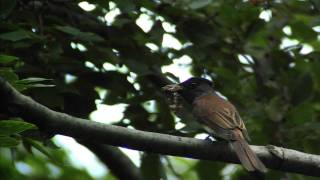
{"x": 59, "y": 123}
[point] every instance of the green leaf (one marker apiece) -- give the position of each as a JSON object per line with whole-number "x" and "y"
{"x": 86, "y": 36}
{"x": 6, "y": 141}
{"x": 4, "y": 59}
{"x": 6, "y": 6}
{"x": 20, "y": 87}
{"x": 225, "y": 73}
{"x": 197, "y": 4}
{"x": 8, "y": 127}
{"x": 69, "y": 30}
{"x": 15, "y": 35}
{"x": 28, "y": 83}
{"x": 303, "y": 32}
{"x": 8, "y": 74}
{"x": 33, "y": 80}
{"x": 41, "y": 85}
{"x": 39, "y": 147}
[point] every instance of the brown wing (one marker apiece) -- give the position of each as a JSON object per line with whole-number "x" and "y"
{"x": 220, "y": 115}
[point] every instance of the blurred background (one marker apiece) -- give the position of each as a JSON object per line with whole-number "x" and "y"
{"x": 95, "y": 59}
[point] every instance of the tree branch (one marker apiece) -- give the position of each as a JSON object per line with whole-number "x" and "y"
{"x": 59, "y": 123}
{"x": 118, "y": 163}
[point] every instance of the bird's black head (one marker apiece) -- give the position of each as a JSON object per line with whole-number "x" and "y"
{"x": 195, "y": 87}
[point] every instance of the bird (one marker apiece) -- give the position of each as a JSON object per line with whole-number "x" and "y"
{"x": 220, "y": 118}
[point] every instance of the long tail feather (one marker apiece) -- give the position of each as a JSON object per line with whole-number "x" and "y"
{"x": 247, "y": 157}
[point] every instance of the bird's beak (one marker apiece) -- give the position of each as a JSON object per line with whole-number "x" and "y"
{"x": 172, "y": 88}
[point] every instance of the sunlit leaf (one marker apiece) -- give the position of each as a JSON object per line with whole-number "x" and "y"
{"x": 32, "y": 80}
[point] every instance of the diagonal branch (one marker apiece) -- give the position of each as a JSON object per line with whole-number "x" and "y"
{"x": 59, "y": 123}
{"x": 118, "y": 163}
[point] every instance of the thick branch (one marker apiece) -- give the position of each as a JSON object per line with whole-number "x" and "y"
{"x": 60, "y": 123}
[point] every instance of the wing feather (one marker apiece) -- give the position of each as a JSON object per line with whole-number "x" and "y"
{"x": 219, "y": 112}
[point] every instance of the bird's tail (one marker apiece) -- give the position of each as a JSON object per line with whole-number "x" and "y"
{"x": 247, "y": 157}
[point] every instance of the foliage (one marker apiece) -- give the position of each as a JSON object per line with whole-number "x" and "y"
{"x": 64, "y": 57}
